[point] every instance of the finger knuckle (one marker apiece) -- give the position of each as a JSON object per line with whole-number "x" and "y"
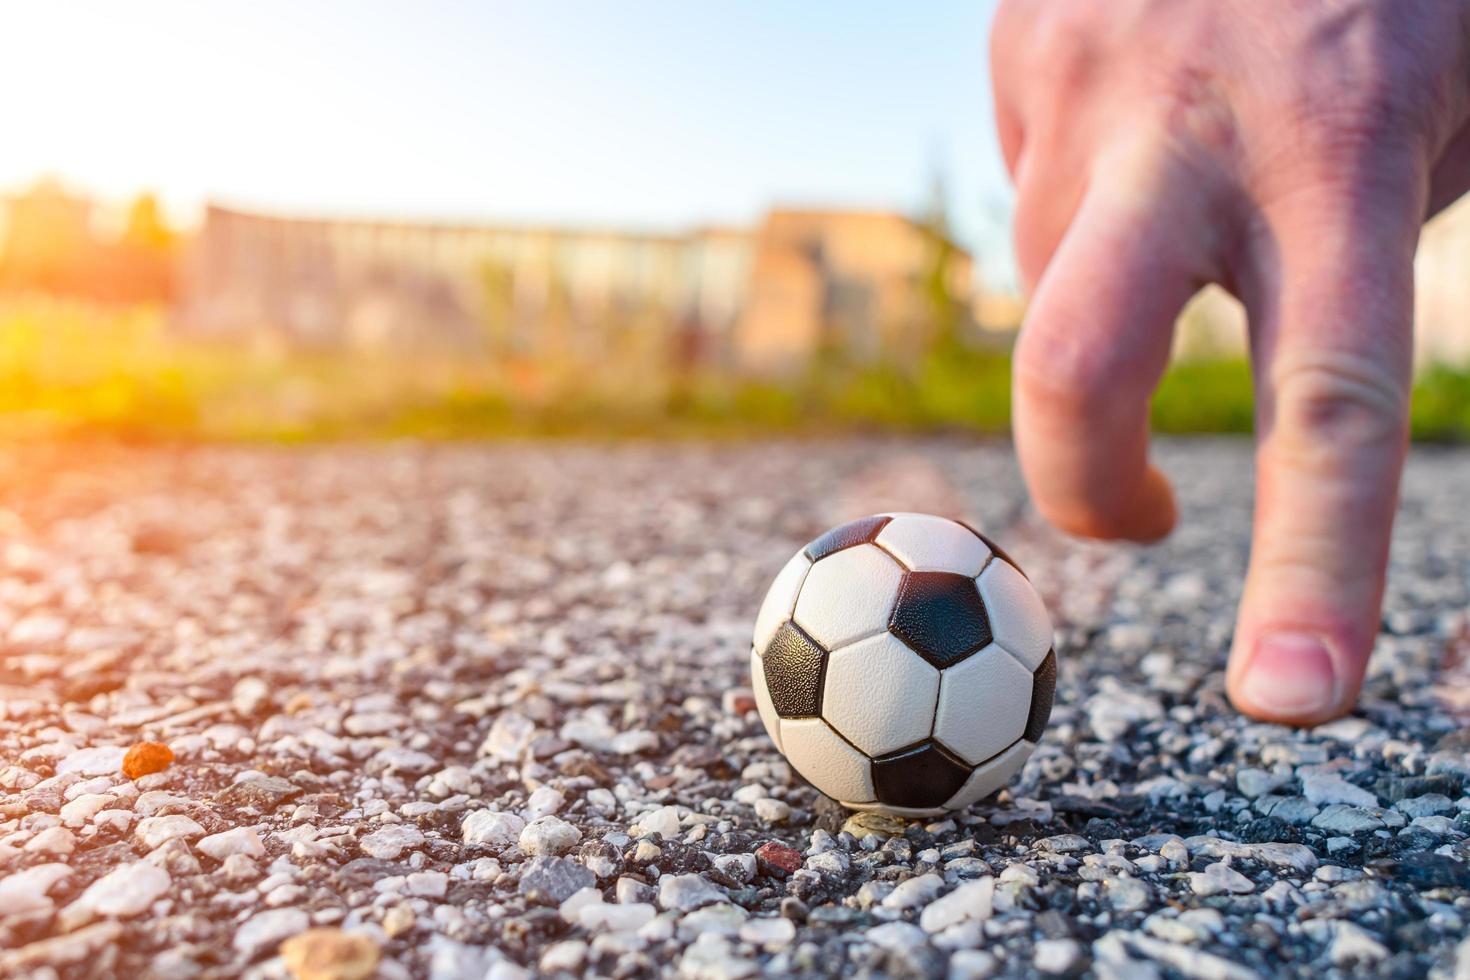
{"x": 1067, "y": 28}
{"x": 1358, "y": 128}
{"x": 1196, "y": 114}
{"x": 1061, "y": 43}
{"x": 1341, "y": 405}
{"x": 1058, "y": 371}
{"x": 1342, "y": 127}
{"x": 1352, "y": 113}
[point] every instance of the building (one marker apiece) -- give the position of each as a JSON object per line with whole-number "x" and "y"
{"x": 48, "y": 242}
{"x": 853, "y": 281}
{"x": 58, "y": 243}
{"x": 765, "y": 300}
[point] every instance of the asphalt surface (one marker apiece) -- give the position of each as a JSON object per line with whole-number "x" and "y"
{"x": 468, "y": 711}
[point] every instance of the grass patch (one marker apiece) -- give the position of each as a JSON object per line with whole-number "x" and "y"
{"x": 71, "y": 369}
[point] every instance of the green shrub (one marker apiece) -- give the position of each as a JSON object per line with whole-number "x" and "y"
{"x": 69, "y": 368}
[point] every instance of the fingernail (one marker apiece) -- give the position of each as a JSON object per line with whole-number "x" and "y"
{"x": 1291, "y": 674}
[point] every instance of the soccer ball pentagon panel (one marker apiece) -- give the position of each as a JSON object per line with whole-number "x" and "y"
{"x": 902, "y": 662}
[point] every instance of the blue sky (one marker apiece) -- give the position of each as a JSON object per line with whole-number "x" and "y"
{"x": 647, "y": 114}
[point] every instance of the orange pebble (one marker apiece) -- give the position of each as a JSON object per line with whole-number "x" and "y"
{"x": 146, "y": 757}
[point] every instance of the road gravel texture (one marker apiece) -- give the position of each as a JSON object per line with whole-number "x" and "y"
{"x": 483, "y": 712}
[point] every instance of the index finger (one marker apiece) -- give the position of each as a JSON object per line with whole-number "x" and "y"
{"x": 1095, "y": 342}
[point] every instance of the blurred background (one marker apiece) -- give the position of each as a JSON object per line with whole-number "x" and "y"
{"x": 283, "y": 221}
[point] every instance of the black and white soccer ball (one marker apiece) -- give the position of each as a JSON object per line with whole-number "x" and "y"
{"x": 903, "y": 662}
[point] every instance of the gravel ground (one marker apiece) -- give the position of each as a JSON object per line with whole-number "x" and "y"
{"x": 483, "y": 712}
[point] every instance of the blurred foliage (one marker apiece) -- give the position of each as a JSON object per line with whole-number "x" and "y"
{"x": 78, "y": 369}
{"x": 1440, "y": 411}
{"x": 51, "y": 244}
{"x": 1205, "y": 396}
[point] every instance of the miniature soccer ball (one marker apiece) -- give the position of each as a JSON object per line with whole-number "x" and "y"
{"x": 904, "y": 663}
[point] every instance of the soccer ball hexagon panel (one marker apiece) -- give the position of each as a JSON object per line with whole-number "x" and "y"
{"x": 902, "y": 662}
{"x": 848, "y": 595}
{"x": 923, "y": 543}
{"x": 983, "y": 704}
{"x": 877, "y": 726}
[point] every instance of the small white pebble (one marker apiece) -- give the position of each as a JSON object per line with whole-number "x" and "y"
{"x": 768, "y": 933}
{"x": 772, "y": 810}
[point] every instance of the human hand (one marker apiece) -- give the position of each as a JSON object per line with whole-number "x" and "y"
{"x": 1290, "y": 152}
